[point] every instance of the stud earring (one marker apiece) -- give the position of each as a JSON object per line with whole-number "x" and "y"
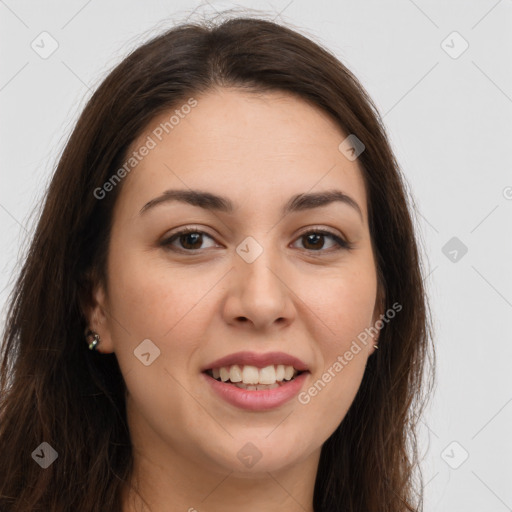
{"x": 375, "y": 346}
{"x": 95, "y": 339}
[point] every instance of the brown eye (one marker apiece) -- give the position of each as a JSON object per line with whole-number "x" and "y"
{"x": 189, "y": 240}
{"x": 315, "y": 241}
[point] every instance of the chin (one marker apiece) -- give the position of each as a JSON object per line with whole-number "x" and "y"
{"x": 249, "y": 455}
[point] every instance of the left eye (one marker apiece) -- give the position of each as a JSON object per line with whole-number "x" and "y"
{"x": 313, "y": 237}
{"x": 189, "y": 239}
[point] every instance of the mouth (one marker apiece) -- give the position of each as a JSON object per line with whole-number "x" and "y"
{"x": 253, "y": 378}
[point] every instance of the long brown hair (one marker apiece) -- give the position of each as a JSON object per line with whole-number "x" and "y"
{"x": 54, "y": 390}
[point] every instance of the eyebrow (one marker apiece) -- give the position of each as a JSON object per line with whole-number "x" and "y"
{"x": 214, "y": 202}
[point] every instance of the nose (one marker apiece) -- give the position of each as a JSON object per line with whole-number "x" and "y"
{"x": 259, "y": 294}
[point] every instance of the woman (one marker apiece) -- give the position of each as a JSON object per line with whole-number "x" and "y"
{"x": 222, "y": 307}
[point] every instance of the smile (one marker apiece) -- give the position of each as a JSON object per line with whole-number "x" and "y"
{"x": 253, "y": 378}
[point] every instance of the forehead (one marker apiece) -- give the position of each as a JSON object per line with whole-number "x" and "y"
{"x": 261, "y": 147}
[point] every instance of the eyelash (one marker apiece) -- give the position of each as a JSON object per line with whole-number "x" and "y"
{"x": 342, "y": 244}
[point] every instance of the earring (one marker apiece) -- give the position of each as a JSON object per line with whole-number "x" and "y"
{"x": 95, "y": 340}
{"x": 375, "y": 346}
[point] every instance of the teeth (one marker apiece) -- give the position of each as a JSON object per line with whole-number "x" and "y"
{"x": 224, "y": 374}
{"x": 235, "y": 373}
{"x": 259, "y": 387}
{"x": 268, "y": 375}
{"x": 271, "y": 386}
{"x": 251, "y": 377}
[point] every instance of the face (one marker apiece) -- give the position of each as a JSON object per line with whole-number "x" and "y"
{"x": 260, "y": 276}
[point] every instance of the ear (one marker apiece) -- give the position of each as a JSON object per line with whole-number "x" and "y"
{"x": 94, "y": 303}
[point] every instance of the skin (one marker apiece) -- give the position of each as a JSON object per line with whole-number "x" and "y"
{"x": 299, "y": 296}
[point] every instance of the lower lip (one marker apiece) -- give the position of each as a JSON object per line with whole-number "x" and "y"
{"x": 257, "y": 400}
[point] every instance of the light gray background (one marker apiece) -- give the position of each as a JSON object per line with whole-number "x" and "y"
{"x": 449, "y": 121}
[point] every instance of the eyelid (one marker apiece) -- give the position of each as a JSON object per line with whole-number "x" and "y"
{"x": 321, "y": 229}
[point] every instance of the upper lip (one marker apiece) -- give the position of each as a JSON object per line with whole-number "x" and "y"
{"x": 259, "y": 360}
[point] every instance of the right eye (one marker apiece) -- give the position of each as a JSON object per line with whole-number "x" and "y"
{"x": 187, "y": 238}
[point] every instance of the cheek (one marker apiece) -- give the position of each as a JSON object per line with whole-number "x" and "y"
{"x": 345, "y": 307}
{"x": 333, "y": 386}
{"x": 150, "y": 296}
{"x": 153, "y": 301}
